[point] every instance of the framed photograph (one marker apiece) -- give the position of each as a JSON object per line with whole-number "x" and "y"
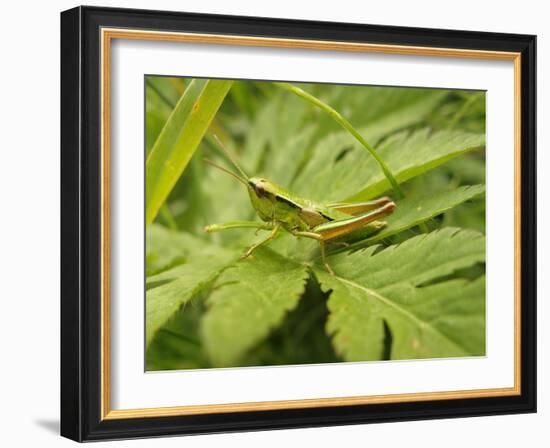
{"x": 275, "y": 224}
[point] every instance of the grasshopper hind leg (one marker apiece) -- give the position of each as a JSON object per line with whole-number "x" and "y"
{"x": 324, "y": 258}
{"x": 322, "y": 244}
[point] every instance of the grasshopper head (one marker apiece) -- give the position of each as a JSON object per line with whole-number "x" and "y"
{"x": 262, "y": 187}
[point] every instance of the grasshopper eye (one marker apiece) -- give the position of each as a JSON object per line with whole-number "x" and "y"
{"x": 260, "y": 191}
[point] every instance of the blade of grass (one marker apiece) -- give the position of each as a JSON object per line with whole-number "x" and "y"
{"x": 214, "y": 130}
{"x": 168, "y": 217}
{"x": 149, "y": 82}
{"x": 336, "y": 116}
{"x": 179, "y": 139}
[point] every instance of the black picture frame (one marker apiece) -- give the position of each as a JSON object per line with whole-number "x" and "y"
{"x": 81, "y": 224}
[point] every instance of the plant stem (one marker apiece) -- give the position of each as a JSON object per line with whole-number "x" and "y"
{"x": 336, "y": 116}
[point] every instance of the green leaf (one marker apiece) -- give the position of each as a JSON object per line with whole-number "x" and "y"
{"x": 378, "y": 111}
{"x": 410, "y": 155}
{"x": 356, "y": 177}
{"x": 275, "y": 124}
{"x": 177, "y": 344}
{"x": 166, "y": 248}
{"x": 251, "y": 298}
{"x": 342, "y": 121}
{"x": 187, "y": 280}
{"x": 411, "y": 212}
{"x": 373, "y": 289}
{"x": 179, "y": 139}
{"x": 400, "y": 108}
{"x": 258, "y": 136}
{"x": 282, "y": 168}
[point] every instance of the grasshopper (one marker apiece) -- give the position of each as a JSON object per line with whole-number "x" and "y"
{"x": 279, "y": 209}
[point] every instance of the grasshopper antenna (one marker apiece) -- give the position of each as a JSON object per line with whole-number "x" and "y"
{"x": 230, "y": 157}
{"x": 236, "y": 176}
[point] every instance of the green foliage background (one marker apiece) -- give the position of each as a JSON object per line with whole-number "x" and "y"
{"x": 416, "y": 289}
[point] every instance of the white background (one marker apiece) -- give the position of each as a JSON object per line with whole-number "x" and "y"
{"x": 29, "y": 325}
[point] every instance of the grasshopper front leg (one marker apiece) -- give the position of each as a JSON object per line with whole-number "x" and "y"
{"x": 276, "y": 228}
{"x": 247, "y": 225}
{"x": 238, "y": 225}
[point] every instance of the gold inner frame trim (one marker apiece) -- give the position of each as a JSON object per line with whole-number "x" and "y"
{"x": 107, "y": 35}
